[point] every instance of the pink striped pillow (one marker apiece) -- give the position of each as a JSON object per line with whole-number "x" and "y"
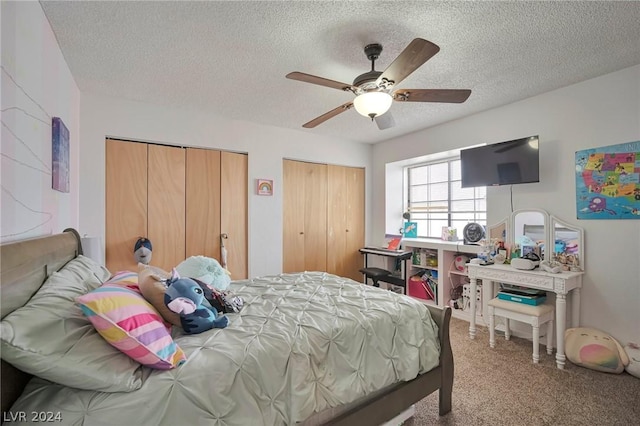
{"x": 130, "y": 323}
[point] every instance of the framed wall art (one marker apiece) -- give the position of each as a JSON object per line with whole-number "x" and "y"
{"x": 265, "y": 187}
{"x": 608, "y": 182}
{"x": 60, "y": 155}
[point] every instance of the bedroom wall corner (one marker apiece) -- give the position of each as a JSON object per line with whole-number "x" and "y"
{"x": 36, "y": 86}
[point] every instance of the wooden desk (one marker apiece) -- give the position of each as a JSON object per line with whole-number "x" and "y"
{"x": 395, "y": 254}
{"x": 561, "y": 284}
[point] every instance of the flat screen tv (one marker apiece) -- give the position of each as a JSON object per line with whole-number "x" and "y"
{"x": 504, "y": 163}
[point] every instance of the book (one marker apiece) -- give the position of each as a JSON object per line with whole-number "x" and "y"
{"x": 524, "y": 292}
{"x": 427, "y": 290}
{"x": 410, "y": 229}
{"x": 533, "y": 300}
{"x": 394, "y": 244}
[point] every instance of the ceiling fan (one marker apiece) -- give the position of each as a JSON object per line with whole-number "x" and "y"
{"x": 376, "y": 90}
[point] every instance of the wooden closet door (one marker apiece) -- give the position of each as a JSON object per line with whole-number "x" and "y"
{"x": 233, "y": 208}
{"x": 125, "y": 201}
{"x": 293, "y": 181}
{"x": 203, "y": 203}
{"x": 166, "y": 195}
{"x": 337, "y": 220}
{"x": 346, "y": 221}
{"x": 315, "y": 217}
{"x": 355, "y": 217}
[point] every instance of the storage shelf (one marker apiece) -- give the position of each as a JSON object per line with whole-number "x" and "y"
{"x": 444, "y": 253}
{"x": 432, "y": 268}
{"x": 436, "y": 244}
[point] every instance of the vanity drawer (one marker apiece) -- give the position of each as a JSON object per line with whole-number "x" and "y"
{"x": 542, "y": 282}
{"x": 505, "y": 274}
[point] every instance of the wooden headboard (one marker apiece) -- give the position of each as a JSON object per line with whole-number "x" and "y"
{"x": 24, "y": 267}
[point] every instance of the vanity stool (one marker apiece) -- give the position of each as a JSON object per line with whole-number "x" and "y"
{"x": 533, "y": 315}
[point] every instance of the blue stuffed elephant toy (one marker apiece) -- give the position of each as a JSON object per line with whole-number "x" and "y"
{"x": 186, "y": 298}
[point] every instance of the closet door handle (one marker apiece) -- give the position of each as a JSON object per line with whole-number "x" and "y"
{"x": 301, "y": 233}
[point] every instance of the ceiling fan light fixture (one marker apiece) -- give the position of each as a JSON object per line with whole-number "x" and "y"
{"x": 372, "y": 104}
{"x": 375, "y": 91}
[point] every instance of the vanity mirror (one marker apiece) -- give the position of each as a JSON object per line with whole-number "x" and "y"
{"x": 535, "y": 230}
{"x": 568, "y": 244}
{"x": 529, "y": 232}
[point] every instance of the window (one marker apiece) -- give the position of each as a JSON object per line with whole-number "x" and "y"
{"x": 436, "y": 199}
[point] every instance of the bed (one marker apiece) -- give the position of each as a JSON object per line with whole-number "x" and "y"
{"x": 252, "y": 372}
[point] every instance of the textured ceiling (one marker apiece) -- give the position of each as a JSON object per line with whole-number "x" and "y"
{"x": 231, "y": 58}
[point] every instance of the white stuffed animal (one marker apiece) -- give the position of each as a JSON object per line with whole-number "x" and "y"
{"x": 633, "y": 351}
{"x": 595, "y": 349}
{"x": 205, "y": 269}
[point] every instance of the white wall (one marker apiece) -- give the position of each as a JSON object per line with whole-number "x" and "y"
{"x": 36, "y": 86}
{"x": 266, "y": 147}
{"x": 598, "y": 112}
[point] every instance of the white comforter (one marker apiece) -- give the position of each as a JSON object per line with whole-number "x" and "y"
{"x": 302, "y": 343}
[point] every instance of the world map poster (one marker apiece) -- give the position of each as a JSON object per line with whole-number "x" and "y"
{"x": 608, "y": 182}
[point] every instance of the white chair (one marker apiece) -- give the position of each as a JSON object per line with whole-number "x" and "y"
{"x": 536, "y": 316}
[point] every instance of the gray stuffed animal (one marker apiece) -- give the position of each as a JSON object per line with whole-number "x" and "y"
{"x": 142, "y": 250}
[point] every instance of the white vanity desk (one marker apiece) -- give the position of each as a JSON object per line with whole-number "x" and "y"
{"x": 563, "y": 244}
{"x": 561, "y": 284}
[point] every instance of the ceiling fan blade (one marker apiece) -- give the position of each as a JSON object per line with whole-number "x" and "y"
{"x": 324, "y": 117}
{"x": 313, "y": 79}
{"x": 414, "y": 55}
{"x": 385, "y": 121}
{"x": 455, "y": 96}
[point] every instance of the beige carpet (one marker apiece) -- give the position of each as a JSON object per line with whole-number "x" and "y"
{"x": 502, "y": 386}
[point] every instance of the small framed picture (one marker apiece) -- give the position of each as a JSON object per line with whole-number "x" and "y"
{"x": 265, "y": 187}
{"x": 411, "y": 229}
{"x": 60, "y": 155}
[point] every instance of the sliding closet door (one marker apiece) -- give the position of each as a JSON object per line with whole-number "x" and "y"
{"x": 315, "y": 217}
{"x": 345, "y": 234}
{"x": 354, "y": 236}
{"x": 203, "y": 203}
{"x": 293, "y": 216}
{"x": 304, "y": 216}
{"x": 166, "y": 195}
{"x": 233, "y": 211}
{"x": 126, "y": 202}
{"x": 182, "y": 199}
{"x": 337, "y": 220}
